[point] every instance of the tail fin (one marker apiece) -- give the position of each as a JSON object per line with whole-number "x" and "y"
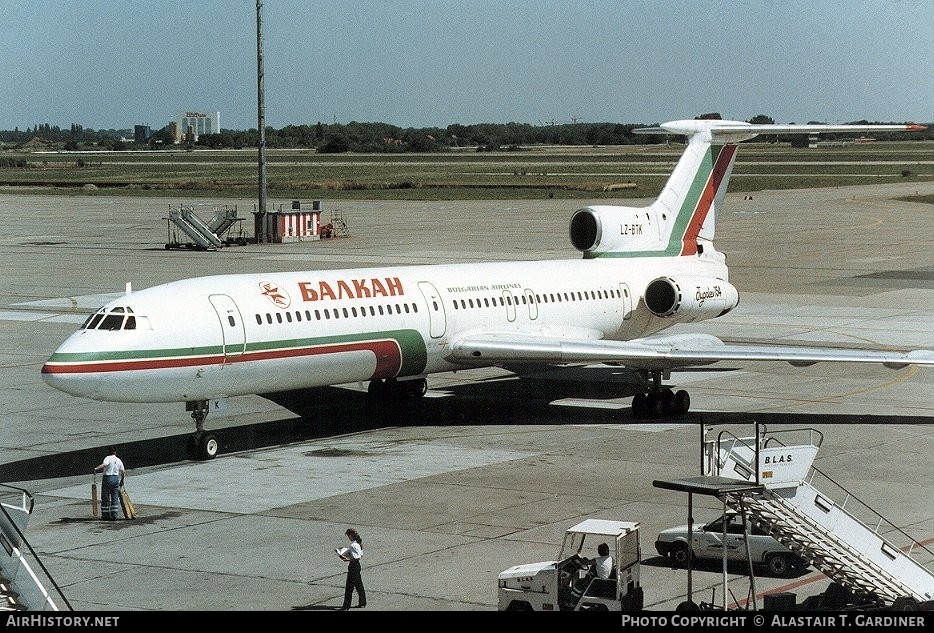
{"x": 685, "y": 212}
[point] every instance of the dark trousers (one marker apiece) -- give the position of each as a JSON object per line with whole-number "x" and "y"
{"x": 354, "y": 581}
{"x": 110, "y": 496}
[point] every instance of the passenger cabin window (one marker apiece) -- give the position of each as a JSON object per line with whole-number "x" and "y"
{"x": 328, "y": 314}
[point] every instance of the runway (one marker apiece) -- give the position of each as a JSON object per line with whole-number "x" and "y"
{"x": 488, "y": 470}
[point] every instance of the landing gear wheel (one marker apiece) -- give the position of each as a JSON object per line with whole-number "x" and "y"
{"x": 209, "y": 446}
{"x": 376, "y": 391}
{"x": 201, "y": 445}
{"x": 640, "y": 406}
{"x": 653, "y": 409}
{"x": 416, "y": 388}
{"x": 666, "y": 400}
{"x": 681, "y": 403}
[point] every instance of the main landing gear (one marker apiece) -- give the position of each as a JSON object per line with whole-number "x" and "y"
{"x": 393, "y": 390}
{"x": 658, "y": 401}
{"x": 201, "y": 445}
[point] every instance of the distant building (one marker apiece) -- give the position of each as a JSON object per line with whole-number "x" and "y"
{"x": 191, "y": 125}
{"x": 298, "y": 224}
{"x": 141, "y": 133}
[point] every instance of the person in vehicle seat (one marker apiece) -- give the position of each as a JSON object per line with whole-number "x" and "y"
{"x": 603, "y": 563}
{"x": 600, "y": 567}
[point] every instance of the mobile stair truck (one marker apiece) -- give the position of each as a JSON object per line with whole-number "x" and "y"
{"x": 565, "y": 585}
{"x": 771, "y": 477}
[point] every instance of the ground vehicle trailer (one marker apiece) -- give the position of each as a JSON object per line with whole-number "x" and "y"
{"x": 709, "y": 541}
{"x": 567, "y": 584}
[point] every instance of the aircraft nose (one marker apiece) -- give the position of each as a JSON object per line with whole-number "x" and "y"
{"x": 60, "y": 376}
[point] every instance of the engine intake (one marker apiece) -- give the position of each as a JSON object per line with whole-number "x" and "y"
{"x": 690, "y": 298}
{"x": 585, "y": 230}
{"x": 606, "y": 229}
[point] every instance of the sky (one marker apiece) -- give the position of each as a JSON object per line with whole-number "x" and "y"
{"x": 113, "y": 64}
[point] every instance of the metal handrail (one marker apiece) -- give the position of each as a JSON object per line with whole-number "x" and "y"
{"x": 22, "y": 539}
{"x": 848, "y": 498}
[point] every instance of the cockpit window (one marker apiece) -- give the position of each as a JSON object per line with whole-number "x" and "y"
{"x": 116, "y": 318}
{"x": 93, "y": 320}
{"x": 111, "y": 322}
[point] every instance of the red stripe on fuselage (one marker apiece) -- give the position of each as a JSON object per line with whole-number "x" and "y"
{"x": 387, "y": 352}
{"x": 689, "y": 241}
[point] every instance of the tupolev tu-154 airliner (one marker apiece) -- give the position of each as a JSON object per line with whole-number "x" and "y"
{"x": 643, "y": 270}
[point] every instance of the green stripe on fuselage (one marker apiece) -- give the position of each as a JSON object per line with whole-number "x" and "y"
{"x": 411, "y": 345}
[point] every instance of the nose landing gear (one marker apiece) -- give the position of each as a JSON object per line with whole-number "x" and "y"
{"x": 201, "y": 445}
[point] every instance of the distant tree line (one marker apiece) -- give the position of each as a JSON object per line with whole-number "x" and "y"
{"x": 376, "y": 137}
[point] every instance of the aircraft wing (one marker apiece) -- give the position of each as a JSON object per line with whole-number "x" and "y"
{"x": 661, "y": 352}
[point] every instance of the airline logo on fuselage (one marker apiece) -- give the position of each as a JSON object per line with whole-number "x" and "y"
{"x": 278, "y": 296}
{"x": 351, "y": 289}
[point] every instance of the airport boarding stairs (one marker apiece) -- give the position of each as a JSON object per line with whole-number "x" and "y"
{"x": 223, "y": 220}
{"x": 194, "y": 227}
{"x": 829, "y": 528}
{"x": 23, "y": 577}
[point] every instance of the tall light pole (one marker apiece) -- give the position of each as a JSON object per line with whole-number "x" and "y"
{"x": 260, "y": 221}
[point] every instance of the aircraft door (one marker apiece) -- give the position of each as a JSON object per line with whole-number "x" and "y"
{"x": 533, "y": 306}
{"x": 232, "y": 326}
{"x": 437, "y": 323}
{"x": 511, "y": 303}
{"x": 627, "y": 301}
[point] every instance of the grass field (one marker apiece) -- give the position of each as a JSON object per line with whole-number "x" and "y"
{"x": 558, "y": 172}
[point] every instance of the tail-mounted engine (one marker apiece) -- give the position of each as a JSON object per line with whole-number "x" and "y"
{"x": 688, "y": 299}
{"x": 606, "y": 229}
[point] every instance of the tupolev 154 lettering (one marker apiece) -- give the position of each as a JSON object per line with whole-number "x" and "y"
{"x": 642, "y": 270}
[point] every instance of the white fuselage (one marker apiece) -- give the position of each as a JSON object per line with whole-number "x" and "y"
{"x": 228, "y": 335}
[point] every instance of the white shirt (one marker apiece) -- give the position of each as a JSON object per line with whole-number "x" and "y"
{"x": 604, "y": 565}
{"x": 112, "y": 465}
{"x": 355, "y": 552}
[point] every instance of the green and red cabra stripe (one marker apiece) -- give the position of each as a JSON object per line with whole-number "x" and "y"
{"x": 398, "y": 353}
{"x": 701, "y": 195}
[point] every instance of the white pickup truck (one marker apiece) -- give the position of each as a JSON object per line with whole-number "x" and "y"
{"x": 568, "y": 584}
